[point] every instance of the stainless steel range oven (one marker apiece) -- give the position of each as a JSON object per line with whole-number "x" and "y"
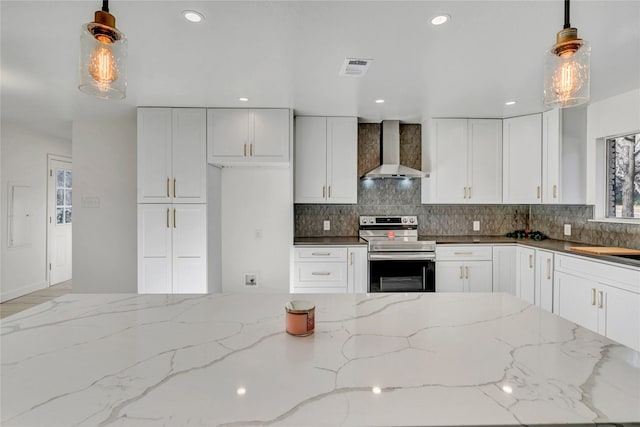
{"x": 399, "y": 261}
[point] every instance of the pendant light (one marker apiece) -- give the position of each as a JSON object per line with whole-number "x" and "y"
{"x": 103, "y": 52}
{"x": 566, "y": 68}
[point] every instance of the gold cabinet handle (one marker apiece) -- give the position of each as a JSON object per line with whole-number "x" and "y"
{"x": 329, "y": 192}
{"x": 175, "y": 224}
{"x": 320, "y": 273}
{"x": 555, "y": 191}
{"x": 251, "y": 150}
{"x": 463, "y": 253}
{"x": 538, "y": 192}
{"x": 593, "y": 296}
{"x": 600, "y": 299}
{"x": 466, "y": 272}
{"x": 244, "y": 152}
{"x": 461, "y": 272}
{"x": 174, "y": 187}
{"x": 321, "y": 253}
{"x": 168, "y": 181}
{"x": 350, "y": 258}
{"x": 323, "y": 191}
{"x": 168, "y": 217}
{"x": 548, "y": 268}
{"x": 530, "y": 261}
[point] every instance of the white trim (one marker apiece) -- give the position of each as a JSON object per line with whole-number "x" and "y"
{"x": 15, "y": 293}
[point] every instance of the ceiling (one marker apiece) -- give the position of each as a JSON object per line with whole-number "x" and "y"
{"x": 288, "y": 54}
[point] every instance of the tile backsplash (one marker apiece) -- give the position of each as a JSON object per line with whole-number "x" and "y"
{"x": 402, "y": 197}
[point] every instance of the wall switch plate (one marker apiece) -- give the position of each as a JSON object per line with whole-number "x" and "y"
{"x": 250, "y": 279}
{"x": 476, "y": 225}
{"x": 258, "y": 233}
{"x": 567, "y": 229}
{"x": 326, "y": 225}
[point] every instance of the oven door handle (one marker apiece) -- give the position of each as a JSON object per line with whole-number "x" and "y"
{"x": 398, "y": 256}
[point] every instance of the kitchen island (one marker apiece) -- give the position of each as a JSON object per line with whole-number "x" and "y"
{"x": 374, "y": 359}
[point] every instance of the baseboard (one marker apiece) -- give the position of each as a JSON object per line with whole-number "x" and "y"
{"x": 15, "y": 293}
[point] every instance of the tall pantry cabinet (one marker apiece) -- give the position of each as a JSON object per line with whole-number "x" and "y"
{"x": 172, "y": 210}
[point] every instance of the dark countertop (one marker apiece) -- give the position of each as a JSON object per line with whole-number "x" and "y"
{"x": 548, "y": 244}
{"x": 330, "y": 241}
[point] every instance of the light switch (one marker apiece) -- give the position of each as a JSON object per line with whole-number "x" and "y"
{"x": 476, "y": 225}
{"x": 567, "y": 229}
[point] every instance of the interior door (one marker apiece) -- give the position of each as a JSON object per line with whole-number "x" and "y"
{"x": 59, "y": 224}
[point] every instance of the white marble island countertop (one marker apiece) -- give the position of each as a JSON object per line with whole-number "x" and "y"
{"x": 381, "y": 359}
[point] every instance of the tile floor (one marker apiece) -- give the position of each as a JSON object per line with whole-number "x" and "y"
{"x": 24, "y": 302}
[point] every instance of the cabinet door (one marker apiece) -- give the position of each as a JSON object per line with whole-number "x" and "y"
{"x": 575, "y": 299}
{"x": 342, "y": 160}
{"x": 189, "y": 148}
{"x": 504, "y": 269}
{"x": 154, "y": 155}
{"x": 358, "y": 271}
{"x": 227, "y": 135}
{"x": 526, "y": 274}
{"x": 551, "y": 155}
{"x": 311, "y": 160}
{"x": 485, "y": 161}
{"x": 450, "y": 161}
{"x": 522, "y": 159}
{"x": 621, "y": 312}
{"x": 479, "y": 276}
{"x": 154, "y": 249}
{"x": 449, "y": 276}
{"x": 270, "y": 135}
{"x": 189, "y": 225}
{"x": 544, "y": 280}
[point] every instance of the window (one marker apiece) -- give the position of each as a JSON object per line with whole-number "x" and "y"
{"x": 63, "y": 196}
{"x": 623, "y": 176}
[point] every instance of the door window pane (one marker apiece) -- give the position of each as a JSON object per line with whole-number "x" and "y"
{"x": 67, "y": 179}
{"x": 60, "y": 178}
{"x": 63, "y": 196}
{"x": 59, "y": 216}
{"x": 59, "y": 198}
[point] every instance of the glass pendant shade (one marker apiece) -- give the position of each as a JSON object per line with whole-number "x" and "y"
{"x": 102, "y": 64}
{"x": 566, "y": 77}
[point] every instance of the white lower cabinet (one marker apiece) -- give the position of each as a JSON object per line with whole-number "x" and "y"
{"x": 600, "y": 297}
{"x": 324, "y": 269}
{"x": 526, "y": 274}
{"x": 464, "y": 268}
{"x": 504, "y": 269}
{"x": 172, "y": 249}
{"x": 544, "y": 280}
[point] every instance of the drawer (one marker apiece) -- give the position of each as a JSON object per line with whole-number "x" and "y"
{"x": 320, "y": 290}
{"x": 321, "y": 254}
{"x": 470, "y": 253}
{"x": 321, "y": 274}
{"x": 622, "y": 277}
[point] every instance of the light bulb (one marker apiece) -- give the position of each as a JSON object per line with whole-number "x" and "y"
{"x": 567, "y": 79}
{"x": 102, "y": 64}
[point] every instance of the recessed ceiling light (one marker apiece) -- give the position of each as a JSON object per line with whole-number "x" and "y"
{"x": 241, "y": 391}
{"x": 511, "y": 103}
{"x": 440, "y": 19}
{"x": 192, "y": 16}
{"x": 243, "y": 99}
{"x": 379, "y": 101}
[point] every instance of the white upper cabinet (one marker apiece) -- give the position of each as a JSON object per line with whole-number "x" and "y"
{"x": 326, "y": 160}
{"x": 522, "y": 159}
{"x": 248, "y": 136}
{"x": 467, "y": 162}
{"x": 172, "y": 155}
{"x": 551, "y": 152}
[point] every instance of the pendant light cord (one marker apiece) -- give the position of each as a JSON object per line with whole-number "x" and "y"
{"x": 105, "y": 6}
{"x": 566, "y": 14}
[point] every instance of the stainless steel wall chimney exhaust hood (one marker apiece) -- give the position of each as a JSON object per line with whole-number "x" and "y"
{"x": 391, "y": 167}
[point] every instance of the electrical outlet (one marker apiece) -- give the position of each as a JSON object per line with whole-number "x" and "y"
{"x": 250, "y": 279}
{"x": 567, "y": 229}
{"x": 476, "y": 225}
{"x": 326, "y": 225}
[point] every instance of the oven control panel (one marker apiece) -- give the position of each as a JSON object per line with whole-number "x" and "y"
{"x": 388, "y": 220}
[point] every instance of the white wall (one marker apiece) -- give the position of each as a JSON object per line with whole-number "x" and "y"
{"x": 24, "y": 161}
{"x": 612, "y": 116}
{"x": 104, "y": 238}
{"x": 256, "y": 199}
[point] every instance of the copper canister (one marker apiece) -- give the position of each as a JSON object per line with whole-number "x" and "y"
{"x": 300, "y": 317}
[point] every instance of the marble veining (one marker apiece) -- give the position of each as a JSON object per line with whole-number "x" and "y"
{"x": 375, "y": 359}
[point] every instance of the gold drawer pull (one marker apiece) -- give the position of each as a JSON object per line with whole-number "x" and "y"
{"x": 321, "y": 253}
{"x": 174, "y": 219}
{"x": 168, "y": 217}
{"x": 600, "y": 299}
{"x": 251, "y": 149}
{"x": 244, "y": 153}
{"x": 174, "y": 187}
{"x": 329, "y": 193}
{"x": 323, "y": 191}
{"x": 593, "y": 296}
{"x": 321, "y": 273}
{"x": 168, "y": 181}
{"x": 463, "y": 253}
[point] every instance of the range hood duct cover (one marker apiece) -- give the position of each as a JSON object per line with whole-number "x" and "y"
{"x": 391, "y": 167}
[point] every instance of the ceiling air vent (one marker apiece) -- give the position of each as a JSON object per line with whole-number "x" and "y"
{"x": 355, "y": 67}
